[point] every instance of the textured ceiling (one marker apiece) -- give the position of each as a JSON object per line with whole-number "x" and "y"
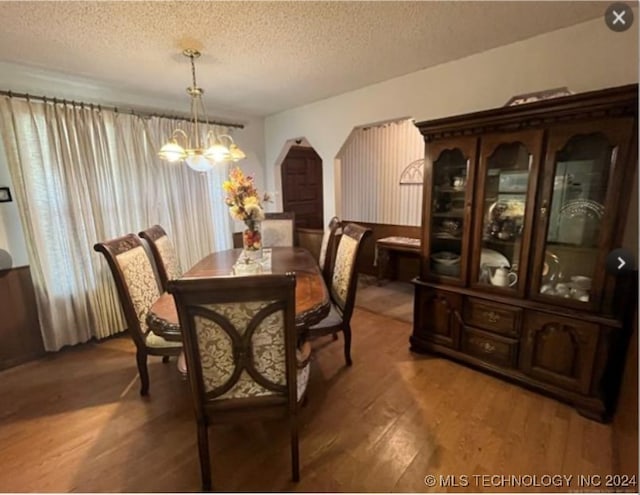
{"x": 263, "y": 57}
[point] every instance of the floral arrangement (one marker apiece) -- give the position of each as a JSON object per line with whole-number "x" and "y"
{"x": 245, "y": 205}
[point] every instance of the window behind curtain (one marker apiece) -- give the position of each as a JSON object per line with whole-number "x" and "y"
{"x": 84, "y": 175}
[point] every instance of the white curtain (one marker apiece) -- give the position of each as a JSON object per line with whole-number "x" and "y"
{"x": 83, "y": 175}
{"x": 371, "y": 163}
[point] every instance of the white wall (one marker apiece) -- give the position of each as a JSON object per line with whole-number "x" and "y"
{"x": 22, "y": 79}
{"x": 584, "y": 57}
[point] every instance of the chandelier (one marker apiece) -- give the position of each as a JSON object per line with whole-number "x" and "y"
{"x": 200, "y": 156}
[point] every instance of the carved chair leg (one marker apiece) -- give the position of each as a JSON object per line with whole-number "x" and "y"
{"x": 347, "y": 344}
{"x": 141, "y": 358}
{"x": 165, "y": 359}
{"x": 203, "y": 451}
{"x": 295, "y": 455}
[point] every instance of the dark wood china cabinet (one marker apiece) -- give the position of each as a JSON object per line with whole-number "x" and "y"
{"x": 521, "y": 207}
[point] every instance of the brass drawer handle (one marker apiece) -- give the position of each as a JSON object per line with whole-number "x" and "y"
{"x": 492, "y": 316}
{"x": 487, "y": 347}
{"x": 483, "y": 345}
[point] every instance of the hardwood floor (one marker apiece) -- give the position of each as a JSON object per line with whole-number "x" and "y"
{"x": 74, "y": 422}
{"x": 392, "y": 298}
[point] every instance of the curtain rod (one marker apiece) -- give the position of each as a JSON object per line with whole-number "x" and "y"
{"x": 27, "y": 96}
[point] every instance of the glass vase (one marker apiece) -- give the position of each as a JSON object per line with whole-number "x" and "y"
{"x": 252, "y": 240}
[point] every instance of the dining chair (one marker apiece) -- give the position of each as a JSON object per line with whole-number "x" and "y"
{"x": 328, "y": 248}
{"x": 137, "y": 289}
{"x": 278, "y": 229}
{"x": 164, "y": 254}
{"x": 240, "y": 342}
{"x": 342, "y": 288}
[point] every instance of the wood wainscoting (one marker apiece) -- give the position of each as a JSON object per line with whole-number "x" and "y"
{"x": 408, "y": 267}
{"x": 20, "y": 338}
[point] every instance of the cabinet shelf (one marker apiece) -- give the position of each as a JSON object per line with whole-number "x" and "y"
{"x": 513, "y": 193}
{"x": 449, "y": 214}
{"x": 552, "y": 246}
{"x": 446, "y": 238}
{"x": 501, "y": 242}
{"x": 449, "y": 189}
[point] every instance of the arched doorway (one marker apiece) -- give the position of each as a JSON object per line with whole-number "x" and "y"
{"x": 301, "y": 179}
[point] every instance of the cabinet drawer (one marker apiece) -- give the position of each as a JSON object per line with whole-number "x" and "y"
{"x": 494, "y": 317}
{"x": 491, "y": 348}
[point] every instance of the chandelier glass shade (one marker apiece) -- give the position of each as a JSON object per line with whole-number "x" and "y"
{"x": 213, "y": 149}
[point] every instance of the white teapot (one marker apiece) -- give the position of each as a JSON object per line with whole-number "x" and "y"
{"x": 503, "y": 277}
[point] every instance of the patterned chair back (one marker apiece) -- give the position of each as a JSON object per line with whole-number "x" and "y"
{"x": 328, "y": 248}
{"x": 240, "y": 340}
{"x": 135, "y": 281}
{"x": 344, "y": 278}
{"x": 240, "y": 337}
{"x": 278, "y": 229}
{"x": 164, "y": 254}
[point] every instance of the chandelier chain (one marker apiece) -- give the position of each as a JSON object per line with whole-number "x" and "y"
{"x": 193, "y": 71}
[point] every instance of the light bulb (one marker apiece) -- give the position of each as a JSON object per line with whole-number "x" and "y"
{"x": 172, "y": 152}
{"x": 236, "y": 153}
{"x": 217, "y": 153}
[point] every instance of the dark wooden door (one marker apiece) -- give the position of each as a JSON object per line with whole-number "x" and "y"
{"x": 302, "y": 187}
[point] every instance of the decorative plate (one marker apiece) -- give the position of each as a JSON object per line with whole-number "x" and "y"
{"x": 501, "y": 210}
{"x": 582, "y": 208}
{"x": 493, "y": 258}
{"x": 579, "y": 222}
{"x": 446, "y": 258}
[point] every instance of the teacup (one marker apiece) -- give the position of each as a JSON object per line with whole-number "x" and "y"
{"x": 459, "y": 181}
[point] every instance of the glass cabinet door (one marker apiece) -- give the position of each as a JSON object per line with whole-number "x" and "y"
{"x": 505, "y": 193}
{"x": 448, "y": 215}
{"x": 576, "y": 225}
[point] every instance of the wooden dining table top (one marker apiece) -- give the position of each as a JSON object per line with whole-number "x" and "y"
{"x": 312, "y": 297}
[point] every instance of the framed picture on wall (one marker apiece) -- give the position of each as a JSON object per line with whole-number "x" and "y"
{"x": 5, "y": 195}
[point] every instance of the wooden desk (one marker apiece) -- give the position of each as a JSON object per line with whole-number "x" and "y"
{"x": 312, "y": 297}
{"x": 386, "y": 254}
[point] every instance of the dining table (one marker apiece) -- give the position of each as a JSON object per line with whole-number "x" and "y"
{"x": 312, "y": 297}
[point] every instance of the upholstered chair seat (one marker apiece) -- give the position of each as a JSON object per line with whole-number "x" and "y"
{"x": 153, "y": 340}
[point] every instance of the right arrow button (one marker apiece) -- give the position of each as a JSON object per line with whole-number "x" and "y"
{"x": 619, "y": 261}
